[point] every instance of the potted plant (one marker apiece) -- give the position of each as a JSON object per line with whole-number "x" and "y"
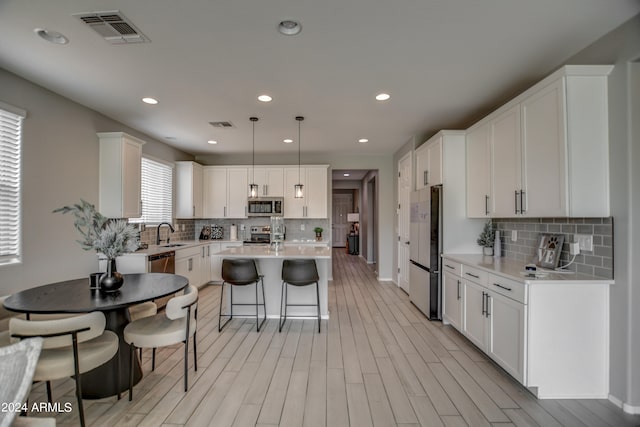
{"x": 318, "y": 231}
{"x": 487, "y": 238}
{"x": 111, "y": 238}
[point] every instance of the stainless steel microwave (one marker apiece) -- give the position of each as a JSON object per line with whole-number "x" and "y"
{"x": 265, "y": 206}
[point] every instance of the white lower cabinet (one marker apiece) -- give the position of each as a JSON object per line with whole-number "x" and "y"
{"x": 188, "y": 264}
{"x": 552, "y": 335}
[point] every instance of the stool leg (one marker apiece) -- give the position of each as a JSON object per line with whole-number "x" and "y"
{"x": 258, "y": 323}
{"x": 281, "y": 299}
{"x": 220, "y": 312}
{"x": 132, "y": 354}
{"x": 318, "y": 301}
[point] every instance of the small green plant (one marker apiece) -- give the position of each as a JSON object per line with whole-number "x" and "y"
{"x": 318, "y": 229}
{"x": 488, "y": 235}
{"x": 109, "y": 237}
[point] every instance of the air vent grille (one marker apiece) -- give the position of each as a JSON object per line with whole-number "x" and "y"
{"x": 221, "y": 124}
{"x": 112, "y": 26}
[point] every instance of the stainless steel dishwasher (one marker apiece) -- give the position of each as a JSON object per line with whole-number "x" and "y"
{"x": 164, "y": 262}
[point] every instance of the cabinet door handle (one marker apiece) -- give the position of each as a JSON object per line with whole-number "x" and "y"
{"x": 515, "y": 201}
{"x": 486, "y": 204}
{"x": 522, "y": 209}
{"x": 502, "y": 287}
{"x": 487, "y": 312}
{"x": 425, "y": 177}
{"x": 225, "y": 212}
{"x": 484, "y": 311}
{"x": 472, "y": 275}
{"x": 449, "y": 266}
{"x": 266, "y": 190}
{"x": 203, "y": 252}
{"x": 190, "y": 264}
{"x": 459, "y": 290}
{"x": 194, "y": 211}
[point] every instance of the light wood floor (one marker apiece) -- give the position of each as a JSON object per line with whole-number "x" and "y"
{"x": 377, "y": 362}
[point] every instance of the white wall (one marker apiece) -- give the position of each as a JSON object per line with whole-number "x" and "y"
{"x": 59, "y": 166}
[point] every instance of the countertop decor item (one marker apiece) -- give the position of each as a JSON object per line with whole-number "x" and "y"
{"x": 318, "y": 231}
{"x": 549, "y": 248}
{"x": 487, "y": 238}
{"x": 111, "y": 237}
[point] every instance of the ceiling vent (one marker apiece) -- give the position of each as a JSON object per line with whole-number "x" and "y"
{"x": 112, "y": 26}
{"x": 221, "y": 124}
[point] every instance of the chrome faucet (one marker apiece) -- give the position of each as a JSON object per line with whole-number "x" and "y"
{"x": 158, "y": 232}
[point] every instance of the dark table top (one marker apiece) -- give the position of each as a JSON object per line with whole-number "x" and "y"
{"x": 74, "y": 296}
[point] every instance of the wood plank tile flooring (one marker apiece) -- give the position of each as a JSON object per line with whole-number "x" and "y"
{"x": 377, "y": 362}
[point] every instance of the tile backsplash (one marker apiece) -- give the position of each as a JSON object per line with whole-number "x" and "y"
{"x": 292, "y": 227}
{"x": 598, "y": 262}
{"x": 149, "y": 233}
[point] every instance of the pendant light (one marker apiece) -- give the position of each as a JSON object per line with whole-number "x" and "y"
{"x": 298, "y": 189}
{"x": 253, "y": 187}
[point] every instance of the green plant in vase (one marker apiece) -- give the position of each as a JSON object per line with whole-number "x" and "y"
{"x": 318, "y": 231}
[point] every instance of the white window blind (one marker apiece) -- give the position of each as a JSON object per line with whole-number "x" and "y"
{"x": 157, "y": 192}
{"x": 10, "y": 137}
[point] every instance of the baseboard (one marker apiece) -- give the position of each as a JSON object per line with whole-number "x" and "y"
{"x": 629, "y": 409}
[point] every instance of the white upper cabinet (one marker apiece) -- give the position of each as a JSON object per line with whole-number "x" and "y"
{"x": 549, "y": 149}
{"x": 429, "y": 163}
{"x": 506, "y": 161}
{"x": 478, "y": 171}
{"x": 189, "y": 190}
{"x": 225, "y": 192}
{"x": 120, "y": 175}
{"x": 270, "y": 181}
{"x": 314, "y": 203}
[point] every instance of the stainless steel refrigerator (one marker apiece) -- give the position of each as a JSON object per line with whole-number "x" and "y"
{"x": 425, "y": 246}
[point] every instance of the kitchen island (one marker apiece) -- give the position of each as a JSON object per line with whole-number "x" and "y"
{"x": 269, "y": 263}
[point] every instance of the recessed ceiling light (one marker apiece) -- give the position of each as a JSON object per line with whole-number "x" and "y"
{"x": 51, "y": 36}
{"x": 211, "y": 141}
{"x": 150, "y": 101}
{"x": 288, "y": 141}
{"x": 346, "y": 174}
{"x": 363, "y": 140}
{"x": 289, "y": 27}
{"x": 264, "y": 98}
{"x": 383, "y": 96}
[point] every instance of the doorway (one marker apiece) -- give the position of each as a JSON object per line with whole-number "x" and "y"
{"x": 341, "y": 207}
{"x": 404, "y": 192}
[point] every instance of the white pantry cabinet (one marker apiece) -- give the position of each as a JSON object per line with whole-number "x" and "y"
{"x": 120, "y": 175}
{"x": 549, "y": 150}
{"x": 225, "y": 191}
{"x": 314, "y": 203}
{"x": 429, "y": 162}
{"x": 189, "y": 202}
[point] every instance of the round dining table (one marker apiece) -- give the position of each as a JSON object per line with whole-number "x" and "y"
{"x": 76, "y": 296}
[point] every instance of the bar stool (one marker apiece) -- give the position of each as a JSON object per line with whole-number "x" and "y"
{"x": 240, "y": 272}
{"x": 298, "y": 272}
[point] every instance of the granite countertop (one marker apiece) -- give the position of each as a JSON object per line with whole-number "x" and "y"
{"x": 302, "y": 251}
{"x": 515, "y": 270}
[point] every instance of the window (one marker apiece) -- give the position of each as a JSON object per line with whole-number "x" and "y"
{"x": 157, "y": 192}
{"x": 10, "y": 138}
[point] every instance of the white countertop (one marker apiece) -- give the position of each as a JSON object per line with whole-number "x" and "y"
{"x": 302, "y": 251}
{"x": 515, "y": 270}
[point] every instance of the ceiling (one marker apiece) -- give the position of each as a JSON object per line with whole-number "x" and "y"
{"x": 443, "y": 62}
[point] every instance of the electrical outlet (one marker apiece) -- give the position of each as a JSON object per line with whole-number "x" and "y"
{"x": 514, "y": 235}
{"x": 574, "y": 248}
{"x": 585, "y": 241}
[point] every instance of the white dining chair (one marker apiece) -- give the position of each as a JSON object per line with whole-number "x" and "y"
{"x": 71, "y": 346}
{"x": 177, "y": 324}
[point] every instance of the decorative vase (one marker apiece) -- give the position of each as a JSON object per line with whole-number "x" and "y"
{"x": 318, "y": 237}
{"x": 487, "y": 251}
{"x": 111, "y": 281}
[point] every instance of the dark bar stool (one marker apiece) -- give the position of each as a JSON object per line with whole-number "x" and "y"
{"x": 298, "y": 272}
{"x": 240, "y": 272}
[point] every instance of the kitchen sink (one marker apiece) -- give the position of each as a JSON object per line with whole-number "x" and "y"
{"x": 173, "y": 245}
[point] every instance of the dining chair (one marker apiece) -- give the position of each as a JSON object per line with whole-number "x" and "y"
{"x": 177, "y": 324}
{"x": 71, "y": 346}
{"x": 240, "y": 272}
{"x": 17, "y": 364}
